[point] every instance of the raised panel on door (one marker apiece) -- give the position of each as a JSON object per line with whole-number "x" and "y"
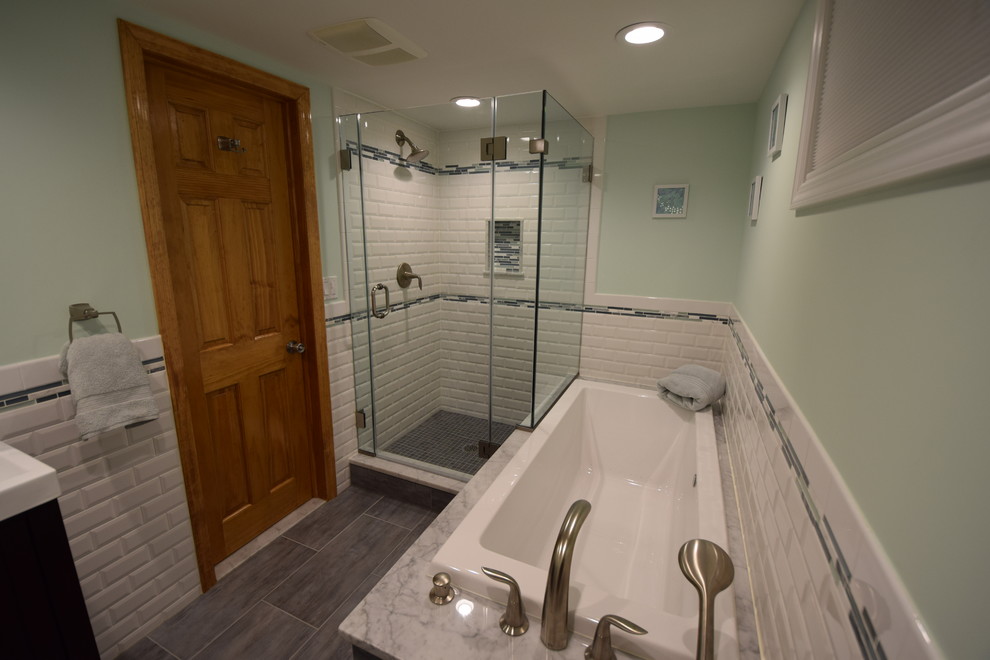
{"x": 190, "y": 137}
{"x": 278, "y": 429}
{"x": 261, "y": 252}
{"x": 204, "y": 244}
{"x": 225, "y": 422}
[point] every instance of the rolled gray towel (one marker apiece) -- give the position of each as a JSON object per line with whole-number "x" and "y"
{"x": 692, "y": 386}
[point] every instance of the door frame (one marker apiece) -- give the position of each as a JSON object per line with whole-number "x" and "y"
{"x": 138, "y": 46}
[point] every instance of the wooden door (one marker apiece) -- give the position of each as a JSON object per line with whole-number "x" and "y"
{"x": 222, "y": 165}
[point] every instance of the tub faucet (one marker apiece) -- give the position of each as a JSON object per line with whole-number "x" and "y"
{"x": 553, "y": 631}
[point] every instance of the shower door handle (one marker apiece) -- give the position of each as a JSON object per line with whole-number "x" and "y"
{"x": 374, "y": 307}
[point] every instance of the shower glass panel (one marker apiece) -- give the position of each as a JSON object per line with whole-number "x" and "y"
{"x": 444, "y": 373}
{"x": 357, "y": 281}
{"x": 514, "y": 239}
{"x": 565, "y": 196}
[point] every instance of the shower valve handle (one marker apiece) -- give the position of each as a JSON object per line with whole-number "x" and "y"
{"x": 404, "y": 276}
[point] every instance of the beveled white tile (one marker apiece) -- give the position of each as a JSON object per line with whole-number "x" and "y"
{"x": 10, "y": 379}
{"x": 40, "y": 372}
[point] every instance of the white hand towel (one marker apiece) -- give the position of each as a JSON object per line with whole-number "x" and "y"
{"x": 692, "y": 386}
{"x": 109, "y": 384}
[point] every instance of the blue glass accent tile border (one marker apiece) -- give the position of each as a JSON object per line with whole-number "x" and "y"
{"x": 530, "y": 304}
{"x": 862, "y": 627}
{"x": 392, "y": 158}
{"x": 59, "y": 389}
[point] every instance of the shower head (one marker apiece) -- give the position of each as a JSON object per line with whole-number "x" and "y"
{"x": 416, "y": 154}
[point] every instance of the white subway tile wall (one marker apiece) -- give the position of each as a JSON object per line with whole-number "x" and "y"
{"x": 123, "y": 499}
{"x": 342, "y": 393}
{"x": 821, "y": 583}
{"x": 639, "y": 350}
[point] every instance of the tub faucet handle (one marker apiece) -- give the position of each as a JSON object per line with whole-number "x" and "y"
{"x": 441, "y": 593}
{"x": 514, "y": 621}
{"x": 601, "y": 648}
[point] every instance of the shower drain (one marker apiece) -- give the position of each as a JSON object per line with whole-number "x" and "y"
{"x": 471, "y": 446}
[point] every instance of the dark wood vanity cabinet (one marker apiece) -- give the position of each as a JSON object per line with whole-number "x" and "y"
{"x": 42, "y": 612}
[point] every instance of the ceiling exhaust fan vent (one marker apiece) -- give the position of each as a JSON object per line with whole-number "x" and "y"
{"x": 370, "y": 41}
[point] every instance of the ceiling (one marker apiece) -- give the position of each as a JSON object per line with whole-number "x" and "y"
{"x": 716, "y": 52}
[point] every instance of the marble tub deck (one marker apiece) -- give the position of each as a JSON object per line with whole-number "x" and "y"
{"x": 395, "y": 621}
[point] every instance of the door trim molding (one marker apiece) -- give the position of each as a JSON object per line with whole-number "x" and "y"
{"x": 139, "y": 45}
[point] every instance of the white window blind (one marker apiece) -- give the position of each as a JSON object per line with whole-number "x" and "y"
{"x": 882, "y": 69}
{"x": 887, "y": 60}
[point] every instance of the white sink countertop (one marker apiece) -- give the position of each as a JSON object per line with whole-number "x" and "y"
{"x": 25, "y": 482}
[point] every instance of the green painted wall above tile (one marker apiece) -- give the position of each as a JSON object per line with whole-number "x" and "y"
{"x": 872, "y": 312}
{"x": 694, "y": 257}
{"x": 72, "y": 229}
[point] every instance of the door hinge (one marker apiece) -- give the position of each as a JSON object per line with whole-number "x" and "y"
{"x": 494, "y": 148}
{"x": 587, "y": 174}
{"x": 345, "y": 160}
{"x": 539, "y": 146}
{"x": 359, "y": 419}
{"x": 229, "y": 144}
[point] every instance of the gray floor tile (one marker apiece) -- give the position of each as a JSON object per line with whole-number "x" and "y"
{"x": 327, "y": 644}
{"x": 397, "y": 512}
{"x": 318, "y": 528}
{"x": 387, "y": 563}
{"x": 145, "y": 649}
{"x": 209, "y": 615}
{"x": 263, "y": 633}
{"x": 318, "y": 588}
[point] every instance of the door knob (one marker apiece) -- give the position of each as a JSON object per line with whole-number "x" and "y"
{"x": 295, "y": 347}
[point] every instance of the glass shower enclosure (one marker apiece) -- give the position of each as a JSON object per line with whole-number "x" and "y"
{"x": 466, "y": 270}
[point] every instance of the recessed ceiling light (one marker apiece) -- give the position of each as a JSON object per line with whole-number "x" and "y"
{"x": 641, "y": 33}
{"x": 466, "y": 101}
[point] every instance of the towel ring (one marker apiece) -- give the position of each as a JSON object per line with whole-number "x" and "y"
{"x": 86, "y": 312}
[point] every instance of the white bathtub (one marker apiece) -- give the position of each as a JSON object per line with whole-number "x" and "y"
{"x": 634, "y": 457}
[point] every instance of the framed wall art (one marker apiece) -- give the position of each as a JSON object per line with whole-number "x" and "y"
{"x": 670, "y": 201}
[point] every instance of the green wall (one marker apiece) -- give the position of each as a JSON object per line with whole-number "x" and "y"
{"x": 695, "y": 257}
{"x": 71, "y": 229}
{"x": 872, "y": 311}
{"x": 874, "y": 314}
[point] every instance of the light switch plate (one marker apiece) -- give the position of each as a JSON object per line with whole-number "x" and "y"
{"x": 330, "y": 286}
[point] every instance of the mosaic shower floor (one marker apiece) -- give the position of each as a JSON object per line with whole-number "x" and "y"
{"x": 450, "y": 440}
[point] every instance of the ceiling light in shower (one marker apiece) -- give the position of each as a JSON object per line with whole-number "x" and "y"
{"x": 466, "y": 101}
{"x": 641, "y": 33}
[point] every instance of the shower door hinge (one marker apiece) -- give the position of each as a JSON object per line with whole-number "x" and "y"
{"x": 587, "y": 173}
{"x": 345, "y": 160}
{"x": 539, "y": 146}
{"x": 359, "y": 419}
{"x": 494, "y": 148}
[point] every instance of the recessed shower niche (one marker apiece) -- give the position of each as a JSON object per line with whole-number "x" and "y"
{"x": 445, "y": 372}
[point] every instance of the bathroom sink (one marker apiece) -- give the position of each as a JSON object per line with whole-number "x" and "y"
{"x": 24, "y": 482}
